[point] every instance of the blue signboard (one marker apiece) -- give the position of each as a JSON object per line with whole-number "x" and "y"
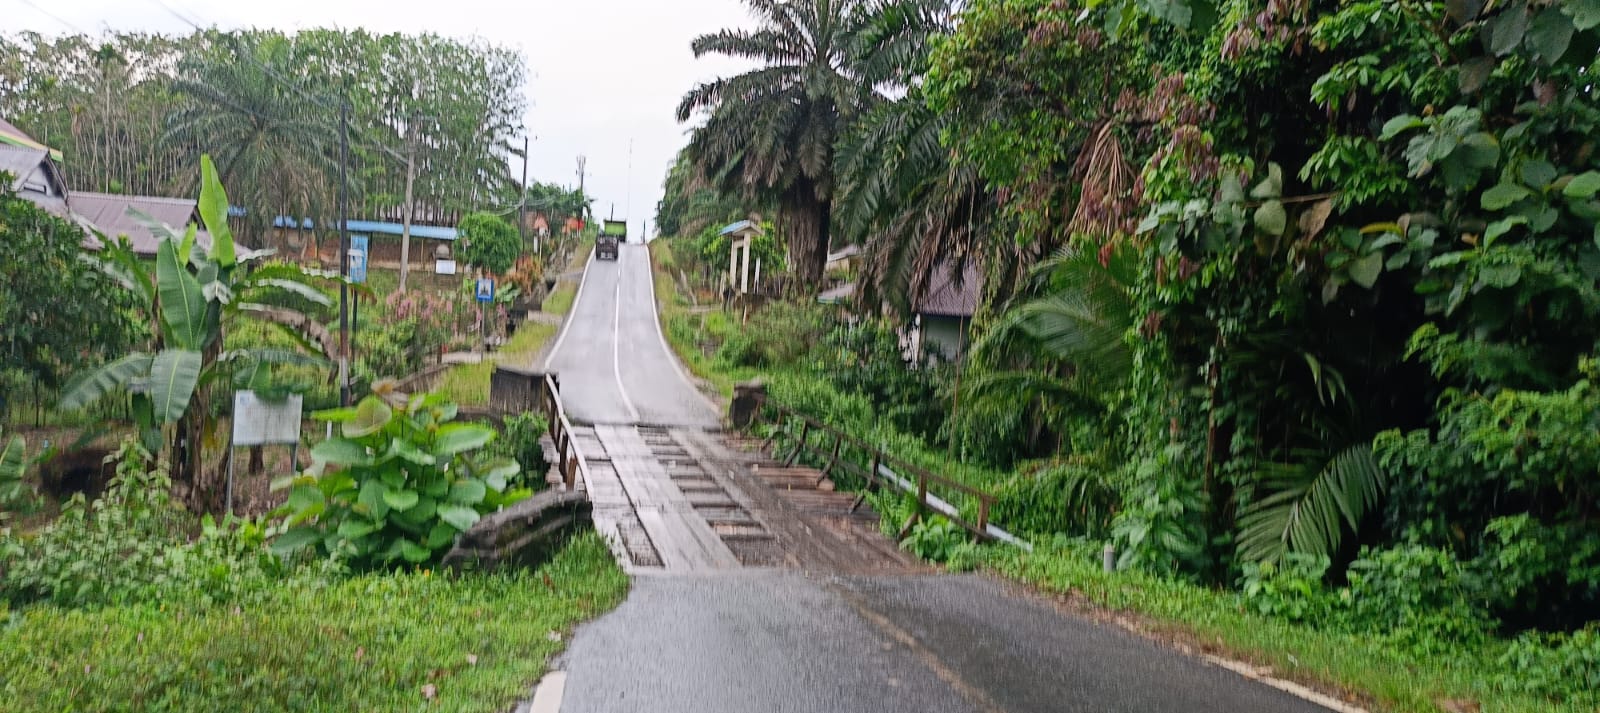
{"x": 485, "y": 290}
{"x": 358, "y": 259}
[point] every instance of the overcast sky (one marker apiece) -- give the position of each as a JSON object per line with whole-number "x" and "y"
{"x": 600, "y": 72}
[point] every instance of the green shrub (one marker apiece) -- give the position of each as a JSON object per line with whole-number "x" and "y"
{"x": 13, "y": 464}
{"x": 1056, "y": 497}
{"x": 1555, "y": 666}
{"x": 935, "y": 539}
{"x": 397, "y": 486}
{"x": 1419, "y": 595}
{"x": 1291, "y": 590}
{"x": 132, "y": 545}
{"x": 519, "y": 441}
{"x": 780, "y": 334}
{"x": 488, "y": 241}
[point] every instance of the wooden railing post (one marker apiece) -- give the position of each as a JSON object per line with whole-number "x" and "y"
{"x": 983, "y": 514}
{"x": 805, "y": 430}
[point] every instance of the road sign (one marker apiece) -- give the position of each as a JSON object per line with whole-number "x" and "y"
{"x": 358, "y": 259}
{"x": 485, "y": 290}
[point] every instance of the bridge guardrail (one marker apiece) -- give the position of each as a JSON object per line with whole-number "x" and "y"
{"x": 572, "y": 463}
{"x": 881, "y": 469}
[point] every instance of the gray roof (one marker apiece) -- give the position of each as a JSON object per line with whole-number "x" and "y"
{"x": 110, "y": 214}
{"x": 945, "y": 298}
{"x": 741, "y": 225}
{"x": 21, "y": 162}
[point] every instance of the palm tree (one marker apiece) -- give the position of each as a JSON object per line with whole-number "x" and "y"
{"x": 277, "y": 149}
{"x": 769, "y": 133}
{"x": 914, "y": 206}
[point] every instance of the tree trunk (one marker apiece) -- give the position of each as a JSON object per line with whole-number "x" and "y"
{"x": 805, "y": 220}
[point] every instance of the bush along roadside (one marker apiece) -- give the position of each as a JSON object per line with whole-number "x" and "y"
{"x": 127, "y": 602}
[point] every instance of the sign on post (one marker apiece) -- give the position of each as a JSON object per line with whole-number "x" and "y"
{"x": 485, "y": 290}
{"x": 358, "y": 259}
{"x": 263, "y": 423}
{"x": 444, "y": 267}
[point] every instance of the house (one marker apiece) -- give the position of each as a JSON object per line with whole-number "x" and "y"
{"x": 942, "y": 319}
{"x": 35, "y": 169}
{"x": 37, "y": 176}
{"x": 117, "y": 215}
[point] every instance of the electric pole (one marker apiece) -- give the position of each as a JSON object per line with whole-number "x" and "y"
{"x": 411, "y": 177}
{"x": 344, "y": 255}
{"x": 522, "y": 200}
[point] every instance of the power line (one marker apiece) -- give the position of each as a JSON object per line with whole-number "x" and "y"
{"x": 53, "y": 16}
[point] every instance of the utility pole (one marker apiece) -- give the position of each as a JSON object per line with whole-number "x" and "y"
{"x": 583, "y": 162}
{"x": 522, "y": 200}
{"x": 344, "y": 255}
{"x": 411, "y": 177}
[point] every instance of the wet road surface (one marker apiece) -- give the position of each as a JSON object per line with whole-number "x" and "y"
{"x": 613, "y": 364}
{"x": 769, "y": 640}
{"x": 718, "y": 637}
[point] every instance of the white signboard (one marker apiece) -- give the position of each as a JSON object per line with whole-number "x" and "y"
{"x": 444, "y": 267}
{"x": 260, "y": 423}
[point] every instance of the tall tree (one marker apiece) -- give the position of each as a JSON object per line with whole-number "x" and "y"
{"x": 769, "y": 134}
{"x": 278, "y": 147}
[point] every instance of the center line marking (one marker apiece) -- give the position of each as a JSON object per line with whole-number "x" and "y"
{"x": 616, "y": 350}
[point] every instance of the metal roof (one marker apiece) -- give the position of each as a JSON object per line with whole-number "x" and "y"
{"x": 947, "y": 299}
{"x": 110, "y": 214}
{"x": 741, "y": 225}
{"x": 431, "y": 232}
{"x": 21, "y": 162}
{"x": 13, "y": 136}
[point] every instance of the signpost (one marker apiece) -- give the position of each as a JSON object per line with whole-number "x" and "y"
{"x": 263, "y": 423}
{"x": 484, "y": 290}
{"x": 358, "y": 275}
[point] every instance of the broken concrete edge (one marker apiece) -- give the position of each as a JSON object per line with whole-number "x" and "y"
{"x": 526, "y": 534}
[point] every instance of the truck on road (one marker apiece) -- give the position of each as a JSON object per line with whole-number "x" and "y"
{"x": 612, "y": 234}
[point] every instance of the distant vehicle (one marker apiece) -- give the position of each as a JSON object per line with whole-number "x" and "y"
{"x": 612, "y": 234}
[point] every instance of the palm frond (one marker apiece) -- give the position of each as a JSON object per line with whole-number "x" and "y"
{"x": 1311, "y": 507}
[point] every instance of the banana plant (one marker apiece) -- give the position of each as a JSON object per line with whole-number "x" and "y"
{"x": 192, "y": 295}
{"x": 13, "y": 464}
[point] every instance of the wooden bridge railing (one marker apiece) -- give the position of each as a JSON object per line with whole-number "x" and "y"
{"x": 514, "y": 390}
{"x": 571, "y": 462}
{"x": 831, "y": 446}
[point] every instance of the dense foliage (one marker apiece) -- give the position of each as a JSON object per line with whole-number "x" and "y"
{"x": 488, "y": 242}
{"x": 398, "y": 484}
{"x": 1266, "y": 283}
{"x": 191, "y": 297}
{"x": 131, "y": 112}
{"x": 44, "y": 338}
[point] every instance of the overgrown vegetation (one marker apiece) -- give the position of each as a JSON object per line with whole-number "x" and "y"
{"x": 1278, "y": 296}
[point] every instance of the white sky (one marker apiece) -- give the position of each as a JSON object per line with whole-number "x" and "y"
{"x": 585, "y": 97}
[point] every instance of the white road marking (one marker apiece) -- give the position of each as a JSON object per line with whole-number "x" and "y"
{"x": 547, "y": 697}
{"x": 566, "y": 322}
{"x": 616, "y": 351}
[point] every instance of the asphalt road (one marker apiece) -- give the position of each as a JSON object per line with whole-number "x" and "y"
{"x": 613, "y": 364}
{"x": 767, "y": 640}
{"x": 760, "y": 640}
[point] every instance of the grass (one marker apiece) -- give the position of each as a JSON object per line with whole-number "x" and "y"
{"x": 681, "y": 326}
{"x": 468, "y": 384}
{"x": 375, "y": 642}
{"x": 1385, "y": 674}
